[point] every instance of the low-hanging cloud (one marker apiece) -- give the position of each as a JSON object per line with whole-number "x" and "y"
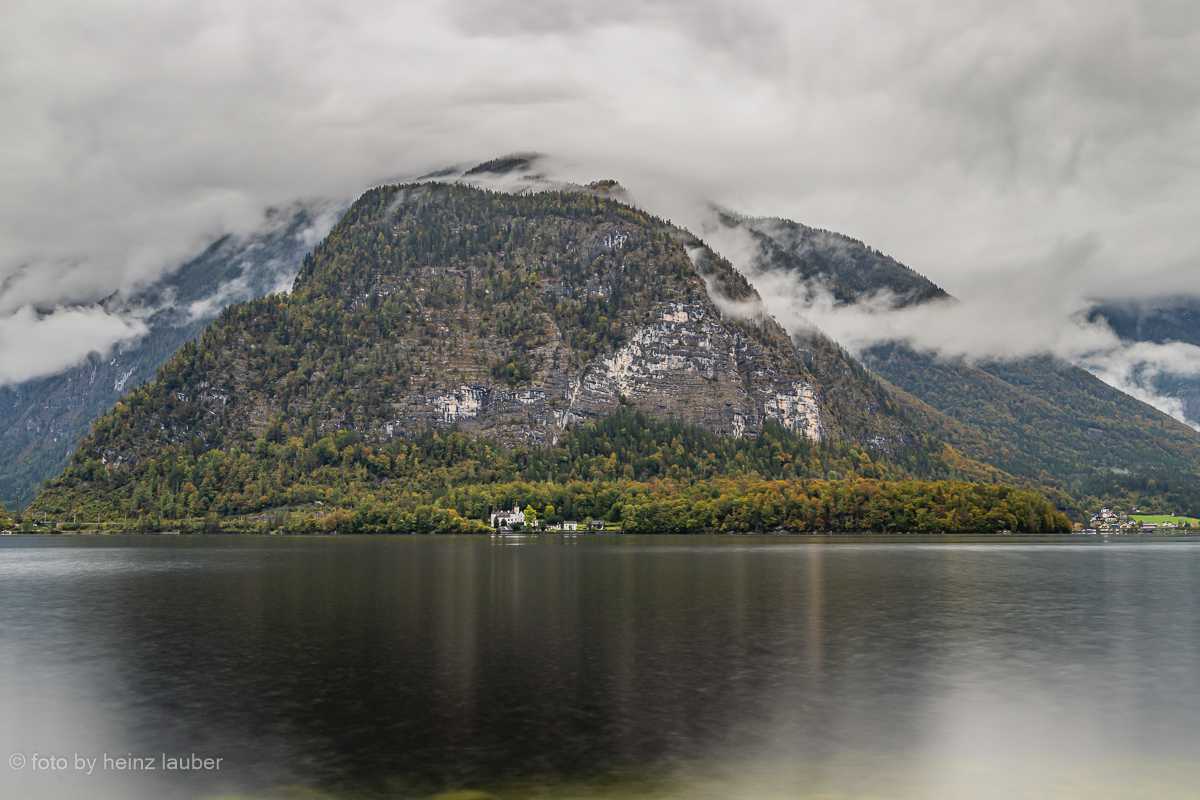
{"x": 1019, "y": 314}
{"x": 966, "y": 138}
{"x": 33, "y": 344}
{"x": 1040, "y": 310}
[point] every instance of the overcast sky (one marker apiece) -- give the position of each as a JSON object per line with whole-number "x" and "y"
{"x": 970, "y": 140}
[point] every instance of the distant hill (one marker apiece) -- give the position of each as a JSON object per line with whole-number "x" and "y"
{"x": 1041, "y": 419}
{"x": 1161, "y": 321}
{"x": 42, "y": 420}
{"x": 1158, "y": 320}
{"x": 847, "y": 268}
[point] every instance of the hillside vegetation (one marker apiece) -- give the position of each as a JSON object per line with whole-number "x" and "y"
{"x": 446, "y": 350}
{"x": 632, "y": 471}
{"x": 1046, "y": 423}
{"x": 42, "y": 420}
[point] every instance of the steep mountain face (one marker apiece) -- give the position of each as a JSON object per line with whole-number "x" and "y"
{"x": 41, "y": 420}
{"x": 1038, "y": 418}
{"x": 437, "y": 354}
{"x": 823, "y": 260}
{"x": 510, "y": 316}
{"x": 1161, "y": 321}
{"x": 1168, "y": 319}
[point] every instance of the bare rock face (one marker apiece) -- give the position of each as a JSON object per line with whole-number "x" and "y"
{"x": 688, "y": 363}
{"x": 513, "y": 316}
{"x": 685, "y": 363}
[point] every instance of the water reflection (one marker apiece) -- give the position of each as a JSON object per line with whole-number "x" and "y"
{"x": 606, "y": 666}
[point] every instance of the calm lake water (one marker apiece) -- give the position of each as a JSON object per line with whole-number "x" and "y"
{"x": 601, "y": 666}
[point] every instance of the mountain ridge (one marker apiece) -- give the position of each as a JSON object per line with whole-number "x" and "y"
{"x": 599, "y": 302}
{"x": 1039, "y": 419}
{"x": 1161, "y": 320}
{"x": 43, "y": 419}
{"x": 452, "y": 311}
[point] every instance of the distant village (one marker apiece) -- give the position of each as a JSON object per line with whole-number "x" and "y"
{"x": 517, "y": 520}
{"x": 1106, "y": 521}
{"x": 1109, "y": 521}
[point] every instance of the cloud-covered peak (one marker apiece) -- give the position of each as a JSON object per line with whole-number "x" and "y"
{"x": 970, "y": 139}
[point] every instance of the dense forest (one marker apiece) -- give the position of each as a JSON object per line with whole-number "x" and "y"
{"x": 1050, "y": 425}
{"x": 637, "y": 473}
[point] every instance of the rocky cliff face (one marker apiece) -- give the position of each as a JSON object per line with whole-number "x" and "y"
{"x": 513, "y": 316}
{"x": 681, "y": 359}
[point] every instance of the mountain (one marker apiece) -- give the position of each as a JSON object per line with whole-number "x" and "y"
{"x": 505, "y": 315}
{"x": 1159, "y": 320}
{"x": 1040, "y": 419}
{"x": 42, "y": 420}
{"x": 447, "y": 348}
{"x": 846, "y": 268}
{"x": 1162, "y": 320}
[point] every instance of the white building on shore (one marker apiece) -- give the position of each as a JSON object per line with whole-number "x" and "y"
{"x": 509, "y": 518}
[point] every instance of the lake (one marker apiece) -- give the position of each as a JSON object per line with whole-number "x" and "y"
{"x": 600, "y": 666}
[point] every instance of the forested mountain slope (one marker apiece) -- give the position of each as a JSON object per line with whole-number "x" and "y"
{"x": 1162, "y": 320}
{"x": 1037, "y": 418}
{"x": 510, "y": 315}
{"x": 625, "y": 469}
{"x": 41, "y": 420}
{"x": 847, "y": 268}
{"x": 507, "y": 321}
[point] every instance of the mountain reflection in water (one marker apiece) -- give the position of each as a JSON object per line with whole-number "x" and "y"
{"x": 603, "y": 666}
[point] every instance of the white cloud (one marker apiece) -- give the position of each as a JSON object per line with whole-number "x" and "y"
{"x": 965, "y": 139}
{"x": 33, "y": 344}
{"x": 1038, "y": 311}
